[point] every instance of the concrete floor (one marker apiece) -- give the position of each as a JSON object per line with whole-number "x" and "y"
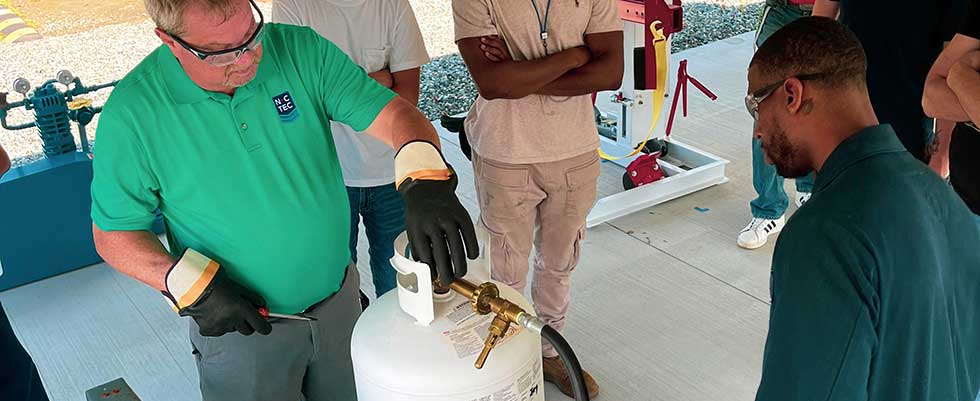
{"x": 665, "y": 305}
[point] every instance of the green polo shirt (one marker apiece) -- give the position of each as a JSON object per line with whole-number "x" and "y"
{"x": 875, "y": 284}
{"x": 252, "y": 180}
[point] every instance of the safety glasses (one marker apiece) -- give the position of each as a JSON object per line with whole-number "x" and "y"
{"x": 222, "y": 58}
{"x": 754, "y": 99}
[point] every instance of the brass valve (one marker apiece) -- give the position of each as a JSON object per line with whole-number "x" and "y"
{"x": 79, "y": 103}
{"x": 485, "y": 299}
{"x": 497, "y": 331}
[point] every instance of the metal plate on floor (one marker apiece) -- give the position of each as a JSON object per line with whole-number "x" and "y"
{"x": 116, "y": 390}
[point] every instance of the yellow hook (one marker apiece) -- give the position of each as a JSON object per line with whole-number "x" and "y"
{"x": 656, "y": 28}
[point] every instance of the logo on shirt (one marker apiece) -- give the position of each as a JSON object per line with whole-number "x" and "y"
{"x": 285, "y": 107}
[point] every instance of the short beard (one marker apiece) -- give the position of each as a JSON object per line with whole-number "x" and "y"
{"x": 785, "y": 156}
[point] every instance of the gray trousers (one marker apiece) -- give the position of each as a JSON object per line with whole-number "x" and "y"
{"x": 298, "y": 361}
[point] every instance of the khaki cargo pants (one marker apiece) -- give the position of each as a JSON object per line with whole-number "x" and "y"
{"x": 545, "y": 204}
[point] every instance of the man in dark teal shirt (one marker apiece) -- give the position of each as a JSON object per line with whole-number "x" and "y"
{"x": 876, "y": 280}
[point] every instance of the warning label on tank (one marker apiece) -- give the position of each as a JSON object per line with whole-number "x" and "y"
{"x": 461, "y": 312}
{"x": 526, "y": 388}
{"x": 472, "y": 330}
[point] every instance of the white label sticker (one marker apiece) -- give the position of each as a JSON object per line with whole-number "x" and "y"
{"x": 472, "y": 330}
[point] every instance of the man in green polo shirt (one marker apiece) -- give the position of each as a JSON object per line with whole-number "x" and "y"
{"x": 876, "y": 280}
{"x": 226, "y": 130}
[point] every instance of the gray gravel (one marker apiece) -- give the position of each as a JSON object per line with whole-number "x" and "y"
{"x": 435, "y": 17}
{"x": 108, "y": 53}
{"x": 98, "y": 56}
{"x": 446, "y": 87}
{"x": 704, "y": 22}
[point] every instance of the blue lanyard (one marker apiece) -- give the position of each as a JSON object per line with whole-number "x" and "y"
{"x": 543, "y": 25}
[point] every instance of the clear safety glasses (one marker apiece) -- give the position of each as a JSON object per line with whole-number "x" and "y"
{"x": 227, "y": 57}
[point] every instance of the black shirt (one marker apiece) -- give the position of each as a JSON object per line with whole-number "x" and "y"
{"x": 964, "y": 172}
{"x": 902, "y": 39}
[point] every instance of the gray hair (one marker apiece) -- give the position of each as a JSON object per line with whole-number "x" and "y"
{"x": 169, "y": 14}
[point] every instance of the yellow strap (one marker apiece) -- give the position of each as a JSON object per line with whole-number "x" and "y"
{"x": 660, "y": 50}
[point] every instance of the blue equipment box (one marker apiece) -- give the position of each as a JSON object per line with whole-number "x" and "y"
{"x": 45, "y": 228}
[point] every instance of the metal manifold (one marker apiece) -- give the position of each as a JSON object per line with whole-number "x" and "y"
{"x": 54, "y": 110}
{"x": 485, "y": 299}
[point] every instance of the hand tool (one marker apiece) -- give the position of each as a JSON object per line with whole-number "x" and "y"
{"x": 266, "y": 314}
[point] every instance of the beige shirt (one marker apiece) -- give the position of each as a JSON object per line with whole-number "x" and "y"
{"x": 536, "y": 128}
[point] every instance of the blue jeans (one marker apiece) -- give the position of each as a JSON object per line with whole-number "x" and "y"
{"x": 772, "y": 201}
{"x": 384, "y": 219}
{"x": 775, "y": 17}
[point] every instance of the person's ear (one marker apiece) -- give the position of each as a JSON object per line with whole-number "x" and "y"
{"x": 794, "y": 94}
{"x": 166, "y": 39}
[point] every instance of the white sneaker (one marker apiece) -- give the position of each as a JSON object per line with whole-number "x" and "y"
{"x": 802, "y": 198}
{"x": 758, "y": 231}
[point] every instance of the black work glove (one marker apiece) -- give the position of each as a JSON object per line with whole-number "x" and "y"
{"x": 464, "y": 145}
{"x": 223, "y": 306}
{"x": 458, "y": 125}
{"x": 440, "y": 231}
{"x": 226, "y": 306}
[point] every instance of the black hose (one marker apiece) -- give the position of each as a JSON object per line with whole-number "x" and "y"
{"x": 571, "y": 362}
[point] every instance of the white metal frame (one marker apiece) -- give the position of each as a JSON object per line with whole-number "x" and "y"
{"x": 688, "y": 169}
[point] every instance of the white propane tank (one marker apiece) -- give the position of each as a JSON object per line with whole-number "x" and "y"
{"x": 414, "y": 345}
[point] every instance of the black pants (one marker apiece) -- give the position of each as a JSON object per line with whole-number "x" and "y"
{"x": 19, "y": 380}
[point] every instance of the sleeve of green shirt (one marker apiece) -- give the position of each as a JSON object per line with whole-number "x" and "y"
{"x": 124, "y": 192}
{"x": 821, "y": 325}
{"x": 349, "y": 94}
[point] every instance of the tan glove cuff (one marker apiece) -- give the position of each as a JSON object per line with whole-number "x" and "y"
{"x": 420, "y": 160}
{"x": 189, "y": 277}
